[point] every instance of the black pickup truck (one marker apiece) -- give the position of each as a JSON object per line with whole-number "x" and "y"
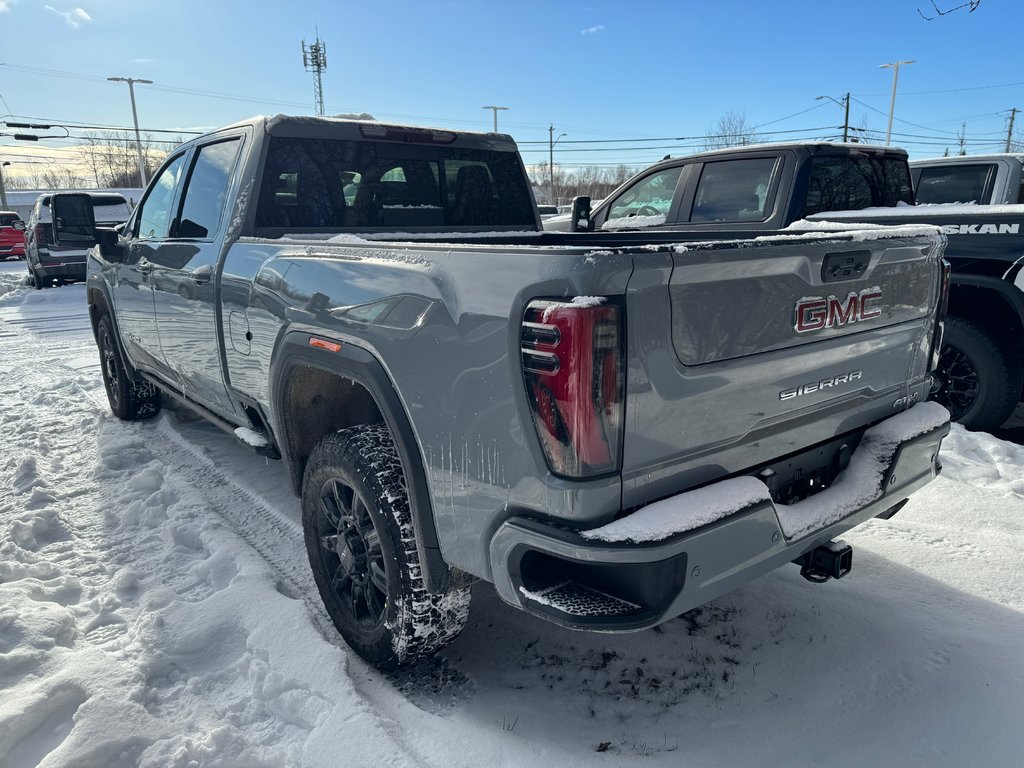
{"x": 774, "y": 187}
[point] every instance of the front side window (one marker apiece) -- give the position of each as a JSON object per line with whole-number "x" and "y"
{"x": 955, "y": 184}
{"x": 650, "y": 196}
{"x": 154, "y": 219}
{"x": 733, "y": 190}
{"x": 207, "y": 189}
{"x": 845, "y": 183}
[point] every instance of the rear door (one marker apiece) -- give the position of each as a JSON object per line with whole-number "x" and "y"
{"x": 184, "y": 276}
{"x": 762, "y": 349}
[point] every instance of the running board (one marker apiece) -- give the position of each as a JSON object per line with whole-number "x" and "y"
{"x": 263, "y": 446}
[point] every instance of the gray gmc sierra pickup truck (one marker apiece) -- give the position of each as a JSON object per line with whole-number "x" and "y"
{"x": 612, "y": 430}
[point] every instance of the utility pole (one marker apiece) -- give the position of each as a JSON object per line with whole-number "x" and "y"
{"x": 495, "y": 110}
{"x": 135, "y": 117}
{"x": 962, "y": 136}
{"x": 895, "y": 67}
{"x": 314, "y": 59}
{"x": 846, "y": 118}
{"x": 3, "y": 189}
{"x": 551, "y": 159}
{"x": 845, "y": 104}
{"x": 1009, "y": 131}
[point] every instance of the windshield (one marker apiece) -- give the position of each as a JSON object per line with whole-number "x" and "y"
{"x": 333, "y": 183}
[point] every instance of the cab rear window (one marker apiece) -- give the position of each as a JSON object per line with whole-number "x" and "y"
{"x": 959, "y": 184}
{"x": 328, "y": 184}
{"x": 847, "y": 183}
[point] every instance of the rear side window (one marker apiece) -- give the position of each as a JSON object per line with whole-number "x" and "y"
{"x": 733, "y": 190}
{"x": 955, "y": 184}
{"x": 844, "y": 183}
{"x": 206, "y": 190}
{"x": 337, "y": 183}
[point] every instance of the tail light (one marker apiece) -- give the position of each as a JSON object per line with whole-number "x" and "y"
{"x": 40, "y": 235}
{"x": 940, "y": 323}
{"x": 573, "y": 367}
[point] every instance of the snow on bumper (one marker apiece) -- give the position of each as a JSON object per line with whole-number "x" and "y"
{"x": 678, "y": 553}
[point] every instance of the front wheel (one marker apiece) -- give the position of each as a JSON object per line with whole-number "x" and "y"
{"x": 362, "y": 550}
{"x": 976, "y": 383}
{"x": 130, "y": 399}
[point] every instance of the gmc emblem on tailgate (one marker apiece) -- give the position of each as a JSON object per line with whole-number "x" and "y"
{"x": 815, "y": 313}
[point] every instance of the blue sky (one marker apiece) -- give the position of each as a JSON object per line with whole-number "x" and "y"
{"x": 598, "y": 71}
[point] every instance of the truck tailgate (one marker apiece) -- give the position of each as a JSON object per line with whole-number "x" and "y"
{"x": 740, "y": 354}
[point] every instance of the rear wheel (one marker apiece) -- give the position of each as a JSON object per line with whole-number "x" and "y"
{"x": 362, "y": 550}
{"x": 130, "y": 399}
{"x": 975, "y": 382}
{"x": 38, "y": 281}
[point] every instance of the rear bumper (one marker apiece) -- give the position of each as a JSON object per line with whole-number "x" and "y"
{"x": 582, "y": 583}
{"x": 70, "y": 269}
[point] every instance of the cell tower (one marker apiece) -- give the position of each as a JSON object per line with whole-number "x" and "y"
{"x": 314, "y": 59}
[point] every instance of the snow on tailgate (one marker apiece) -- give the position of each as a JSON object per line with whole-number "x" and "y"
{"x": 857, "y": 486}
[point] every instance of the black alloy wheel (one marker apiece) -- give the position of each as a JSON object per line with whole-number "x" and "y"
{"x": 352, "y": 552}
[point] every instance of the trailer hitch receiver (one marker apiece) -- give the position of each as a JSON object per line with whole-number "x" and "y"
{"x": 829, "y": 561}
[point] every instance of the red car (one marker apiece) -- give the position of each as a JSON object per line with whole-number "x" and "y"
{"x": 12, "y": 235}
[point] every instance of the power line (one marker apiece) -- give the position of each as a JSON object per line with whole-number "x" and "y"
{"x": 684, "y": 138}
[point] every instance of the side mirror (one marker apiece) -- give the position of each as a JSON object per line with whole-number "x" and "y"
{"x": 19, "y": 225}
{"x": 74, "y": 222}
{"x": 581, "y": 214}
{"x": 109, "y": 242}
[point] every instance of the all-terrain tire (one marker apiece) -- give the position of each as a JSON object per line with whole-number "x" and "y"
{"x": 362, "y": 550}
{"x": 976, "y": 382}
{"x": 38, "y": 282}
{"x": 130, "y": 399}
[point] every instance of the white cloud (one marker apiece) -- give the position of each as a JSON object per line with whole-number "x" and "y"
{"x": 4, "y": 6}
{"x": 592, "y": 30}
{"x": 75, "y": 18}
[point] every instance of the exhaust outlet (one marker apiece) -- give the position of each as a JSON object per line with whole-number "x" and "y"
{"x": 828, "y": 561}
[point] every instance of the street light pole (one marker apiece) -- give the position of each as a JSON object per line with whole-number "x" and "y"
{"x": 551, "y": 159}
{"x": 895, "y": 67}
{"x": 135, "y": 116}
{"x": 495, "y": 110}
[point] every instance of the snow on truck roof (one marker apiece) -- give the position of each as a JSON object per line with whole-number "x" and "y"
{"x": 358, "y": 127}
{"x": 811, "y": 145}
{"x": 969, "y": 158}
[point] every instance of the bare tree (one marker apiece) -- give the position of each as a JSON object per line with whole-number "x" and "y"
{"x": 63, "y": 177}
{"x": 112, "y": 158}
{"x": 595, "y": 182}
{"x": 970, "y": 5}
{"x": 732, "y": 129}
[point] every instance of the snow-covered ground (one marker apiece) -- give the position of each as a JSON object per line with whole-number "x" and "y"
{"x": 156, "y": 610}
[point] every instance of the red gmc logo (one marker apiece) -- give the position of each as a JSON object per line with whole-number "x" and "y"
{"x": 813, "y": 314}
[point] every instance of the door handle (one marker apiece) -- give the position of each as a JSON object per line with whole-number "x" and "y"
{"x": 201, "y": 275}
{"x": 144, "y": 265}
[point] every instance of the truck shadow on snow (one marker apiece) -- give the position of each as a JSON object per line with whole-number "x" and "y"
{"x": 884, "y": 642}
